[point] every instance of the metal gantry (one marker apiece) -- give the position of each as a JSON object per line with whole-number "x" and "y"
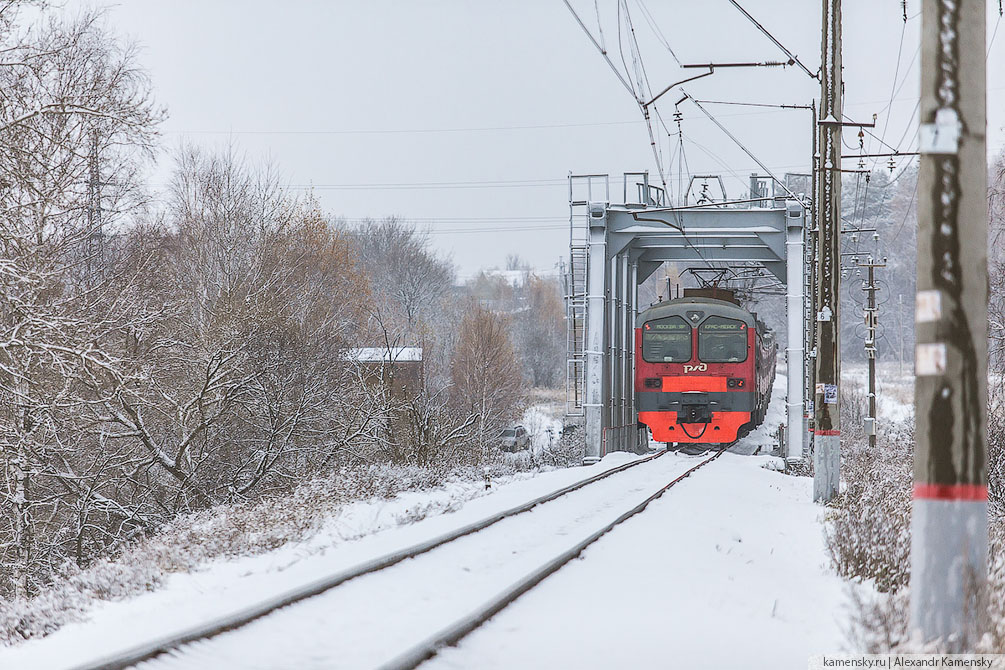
{"x": 616, "y": 247}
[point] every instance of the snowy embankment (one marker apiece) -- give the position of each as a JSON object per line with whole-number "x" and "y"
{"x": 728, "y": 569}
{"x": 361, "y": 531}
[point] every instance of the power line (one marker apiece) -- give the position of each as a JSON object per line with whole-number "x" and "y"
{"x": 404, "y": 131}
{"x": 380, "y": 186}
{"x": 452, "y": 219}
{"x": 517, "y": 127}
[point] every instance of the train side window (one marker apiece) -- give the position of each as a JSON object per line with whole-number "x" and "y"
{"x": 666, "y": 340}
{"x": 722, "y": 340}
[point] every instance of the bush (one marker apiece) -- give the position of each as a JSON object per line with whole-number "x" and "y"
{"x": 869, "y": 534}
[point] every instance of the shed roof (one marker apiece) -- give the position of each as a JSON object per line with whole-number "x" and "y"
{"x": 384, "y": 354}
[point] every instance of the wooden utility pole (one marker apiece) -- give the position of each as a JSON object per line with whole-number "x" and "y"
{"x": 950, "y": 518}
{"x": 826, "y": 398}
{"x": 871, "y": 324}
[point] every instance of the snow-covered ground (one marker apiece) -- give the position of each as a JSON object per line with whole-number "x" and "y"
{"x": 543, "y": 427}
{"x": 370, "y": 620}
{"x": 727, "y": 570}
{"x": 361, "y": 532}
{"x": 894, "y": 388}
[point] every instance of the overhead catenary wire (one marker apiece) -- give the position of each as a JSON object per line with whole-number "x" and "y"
{"x": 647, "y": 15}
{"x": 637, "y": 94}
{"x": 994, "y": 34}
{"x": 645, "y": 90}
{"x": 742, "y": 147}
{"x": 792, "y": 57}
{"x": 602, "y": 50}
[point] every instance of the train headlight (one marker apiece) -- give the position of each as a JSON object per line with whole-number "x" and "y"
{"x": 734, "y": 383}
{"x": 653, "y": 383}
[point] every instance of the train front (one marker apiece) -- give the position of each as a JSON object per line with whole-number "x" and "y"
{"x": 694, "y": 372}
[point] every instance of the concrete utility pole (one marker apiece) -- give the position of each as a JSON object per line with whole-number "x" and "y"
{"x": 871, "y": 324}
{"x": 950, "y": 518}
{"x": 826, "y": 400}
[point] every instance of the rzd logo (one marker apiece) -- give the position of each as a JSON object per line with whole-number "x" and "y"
{"x": 695, "y": 368}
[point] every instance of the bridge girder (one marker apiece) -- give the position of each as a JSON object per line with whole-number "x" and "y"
{"x": 626, "y": 246}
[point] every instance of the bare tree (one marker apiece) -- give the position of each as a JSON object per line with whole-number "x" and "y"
{"x": 229, "y": 391}
{"x": 540, "y": 333}
{"x": 68, "y": 87}
{"x": 486, "y": 373}
{"x": 406, "y": 277}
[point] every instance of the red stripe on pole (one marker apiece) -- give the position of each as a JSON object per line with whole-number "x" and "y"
{"x": 827, "y": 432}
{"x": 976, "y": 492}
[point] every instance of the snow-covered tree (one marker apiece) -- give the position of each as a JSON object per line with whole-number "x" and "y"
{"x": 72, "y": 93}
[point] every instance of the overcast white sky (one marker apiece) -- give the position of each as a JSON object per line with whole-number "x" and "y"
{"x": 468, "y": 116}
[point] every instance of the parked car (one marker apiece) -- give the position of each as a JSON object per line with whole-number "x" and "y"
{"x": 514, "y": 439}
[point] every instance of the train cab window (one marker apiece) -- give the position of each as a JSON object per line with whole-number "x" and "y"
{"x": 722, "y": 340}
{"x": 666, "y": 340}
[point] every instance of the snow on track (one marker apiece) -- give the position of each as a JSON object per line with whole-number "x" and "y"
{"x": 369, "y": 620}
{"x": 726, "y": 571}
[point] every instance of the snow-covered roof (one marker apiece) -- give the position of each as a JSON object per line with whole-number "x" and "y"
{"x": 384, "y": 354}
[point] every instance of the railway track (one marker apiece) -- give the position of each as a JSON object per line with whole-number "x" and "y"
{"x": 194, "y": 647}
{"x": 455, "y": 633}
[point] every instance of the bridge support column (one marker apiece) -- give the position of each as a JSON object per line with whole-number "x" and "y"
{"x": 596, "y": 407}
{"x": 613, "y": 416}
{"x": 795, "y": 402}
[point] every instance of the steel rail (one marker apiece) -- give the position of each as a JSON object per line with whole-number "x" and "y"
{"x": 454, "y": 633}
{"x": 235, "y": 620}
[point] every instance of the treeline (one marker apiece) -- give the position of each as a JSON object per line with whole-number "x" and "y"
{"x": 882, "y": 205}
{"x": 159, "y": 357}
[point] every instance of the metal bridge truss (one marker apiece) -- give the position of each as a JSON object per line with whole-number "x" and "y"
{"x": 616, "y": 247}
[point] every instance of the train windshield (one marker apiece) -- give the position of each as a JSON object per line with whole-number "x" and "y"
{"x": 666, "y": 340}
{"x": 722, "y": 340}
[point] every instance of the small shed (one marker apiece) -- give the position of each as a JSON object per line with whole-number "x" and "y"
{"x": 400, "y": 368}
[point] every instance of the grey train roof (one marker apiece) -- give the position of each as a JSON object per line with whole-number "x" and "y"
{"x": 680, "y": 307}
